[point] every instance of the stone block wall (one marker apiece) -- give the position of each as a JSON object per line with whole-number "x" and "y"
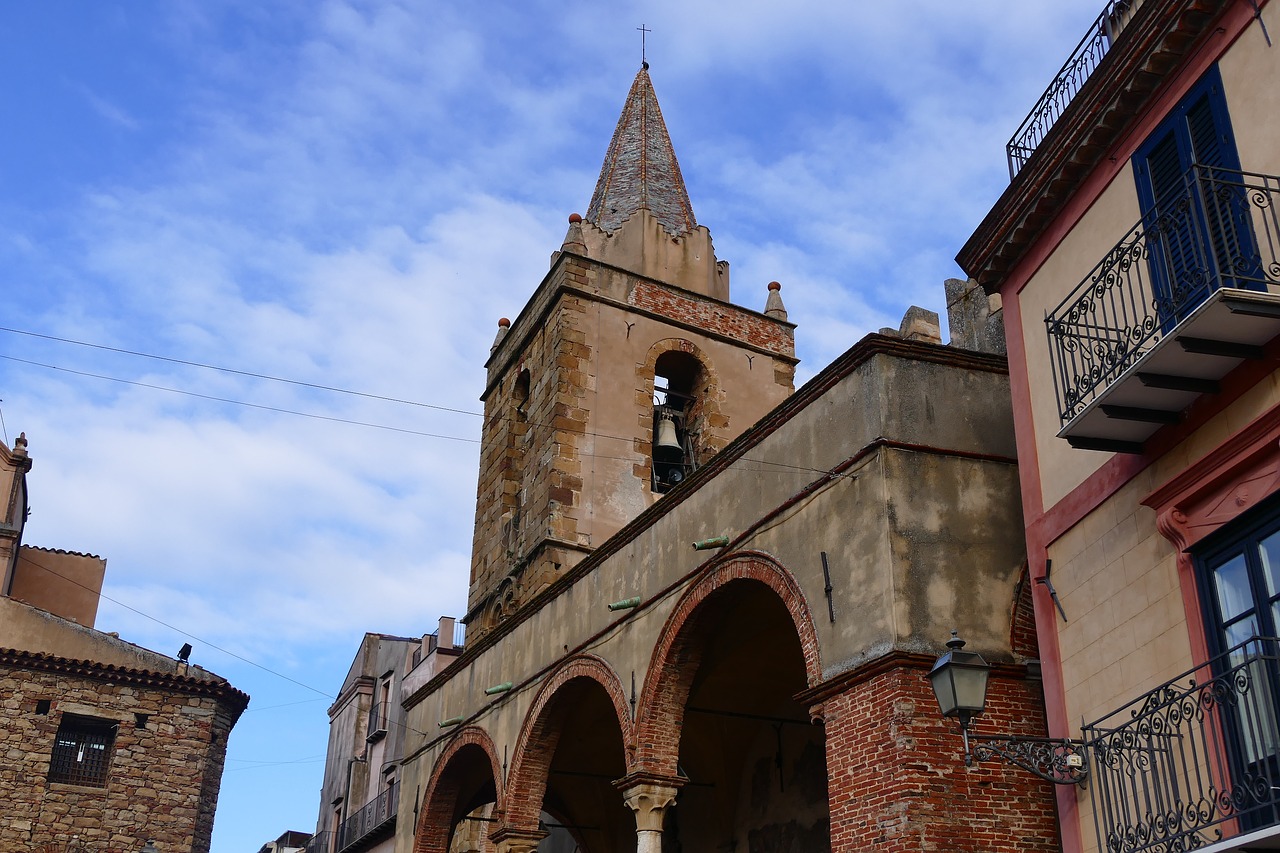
{"x": 165, "y": 766}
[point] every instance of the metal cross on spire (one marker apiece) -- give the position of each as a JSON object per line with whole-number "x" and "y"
{"x": 644, "y": 60}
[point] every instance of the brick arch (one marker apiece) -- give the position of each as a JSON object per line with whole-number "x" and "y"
{"x": 540, "y": 734}
{"x": 678, "y": 653}
{"x": 436, "y": 817}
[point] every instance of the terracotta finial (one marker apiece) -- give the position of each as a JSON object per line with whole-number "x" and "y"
{"x": 575, "y": 217}
{"x": 503, "y": 326}
{"x": 773, "y": 307}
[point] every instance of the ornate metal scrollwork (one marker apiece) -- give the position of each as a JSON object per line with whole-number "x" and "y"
{"x": 1058, "y": 760}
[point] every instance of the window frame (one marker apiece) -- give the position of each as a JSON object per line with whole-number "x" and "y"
{"x": 76, "y": 734}
{"x": 1181, "y": 210}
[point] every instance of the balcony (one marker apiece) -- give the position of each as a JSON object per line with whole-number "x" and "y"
{"x": 1193, "y": 764}
{"x": 321, "y": 842}
{"x": 1188, "y": 294}
{"x": 1068, "y": 81}
{"x": 372, "y": 823}
{"x": 379, "y": 719}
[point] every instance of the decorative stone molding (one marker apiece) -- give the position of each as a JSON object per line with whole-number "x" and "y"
{"x": 1234, "y": 477}
{"x": 649, "y": 796}
{"x": 509, "y": 840}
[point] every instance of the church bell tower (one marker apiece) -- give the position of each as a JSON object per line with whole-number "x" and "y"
{"x": 627, "y": 369}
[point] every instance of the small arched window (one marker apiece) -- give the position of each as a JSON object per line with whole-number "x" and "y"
{"x": 677, "y": 377}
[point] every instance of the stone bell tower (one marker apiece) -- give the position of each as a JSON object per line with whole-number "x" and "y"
{"x": 627, "y": 369}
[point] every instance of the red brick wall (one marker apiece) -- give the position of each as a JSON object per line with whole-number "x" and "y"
{"x": 470, "y": 757}
{"x": 1022, "y": 635}
{"x": 898, "y": 781}
{"x": 715, "y": 317}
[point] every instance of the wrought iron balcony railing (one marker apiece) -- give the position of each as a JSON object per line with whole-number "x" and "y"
{"x": 1193, "y": 761}
{"x": 379, "y": 719}
{"x": 377, "y": 815}
{"x": 1070, "y": 78}
{"x": 321, "y": 842}
{"x": 1219, "y": 229}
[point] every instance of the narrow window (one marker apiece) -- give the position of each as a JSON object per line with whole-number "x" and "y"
{"x": 1240, "y": 582}
{"x": 82, "y": 751}
{"x": 677, "y": 376}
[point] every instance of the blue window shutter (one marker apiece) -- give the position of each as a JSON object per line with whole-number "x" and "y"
{"x": 1179, "y": 212}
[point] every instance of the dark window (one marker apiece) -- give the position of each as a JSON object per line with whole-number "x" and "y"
{"x": 82, "y": 751}
{"x": 677, "y": 376}
{"x": 1240, "y": 578}
{"x": 1193, "y": 206}
{"x": 1241, "y": 575}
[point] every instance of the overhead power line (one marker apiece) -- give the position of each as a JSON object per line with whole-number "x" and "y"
{"x": 315, "y": 386}
{"x": 235, "y": 372}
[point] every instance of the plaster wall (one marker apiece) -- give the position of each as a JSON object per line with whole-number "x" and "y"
{"x": 921, "y": 538}
{"x": 32, "y": 629}
{"x": 1247, "y": 65}
{"x": 643, "y": 246}
{"x": 355, "y": 768}
{"x": 64, "y": 583}
{"x": 1110, "y": 217}
{"x": 1249, "y": 69}
{"x": 1118, "y": 580}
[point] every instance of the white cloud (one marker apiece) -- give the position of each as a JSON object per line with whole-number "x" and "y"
{"x": 350, "y": 194}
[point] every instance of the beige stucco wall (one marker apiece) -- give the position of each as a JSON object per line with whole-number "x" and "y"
{"x": 1107, "y": 220}
{"x": 61, "y": 582}
{"x": 1249, "y": 69}
{"x": 918, "y": 543}
{"x": 31, "y": 629}
{"x": 1117, "y": 578}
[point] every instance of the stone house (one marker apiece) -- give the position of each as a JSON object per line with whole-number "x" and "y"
{"x": 105, "y": 744}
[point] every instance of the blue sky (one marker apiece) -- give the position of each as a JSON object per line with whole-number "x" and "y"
{"x": 350, "y": 194}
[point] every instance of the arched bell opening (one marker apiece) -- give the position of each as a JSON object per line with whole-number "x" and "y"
{"x": 677, "y": 382}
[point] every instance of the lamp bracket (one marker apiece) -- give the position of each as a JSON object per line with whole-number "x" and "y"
{"x": 1058, "y": 760}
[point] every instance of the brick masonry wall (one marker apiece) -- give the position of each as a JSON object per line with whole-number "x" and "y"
{"x": 897, "y": 780}
{"x": 1022, "y": 633}
{"x": 163, "y": 780}
{"x": 715, "y": 317}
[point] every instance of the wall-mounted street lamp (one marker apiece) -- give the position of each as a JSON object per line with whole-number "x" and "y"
{"x": 959, "y": 681}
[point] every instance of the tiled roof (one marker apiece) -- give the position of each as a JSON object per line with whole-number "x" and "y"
{"x": 640, "y": 168}
{"x": 202, "y": 684}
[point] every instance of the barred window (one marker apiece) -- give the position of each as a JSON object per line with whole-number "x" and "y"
{"x": 82, "y": 751}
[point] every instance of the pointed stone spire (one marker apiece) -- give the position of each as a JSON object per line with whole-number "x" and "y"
{"x": 640, "y": 168}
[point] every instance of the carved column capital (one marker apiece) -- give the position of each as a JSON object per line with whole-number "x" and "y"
{"x": 512, "y": 840}
{"x": 649, "y": 795}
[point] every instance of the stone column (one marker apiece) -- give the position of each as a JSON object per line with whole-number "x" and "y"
{"x": 649, "y": 797}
